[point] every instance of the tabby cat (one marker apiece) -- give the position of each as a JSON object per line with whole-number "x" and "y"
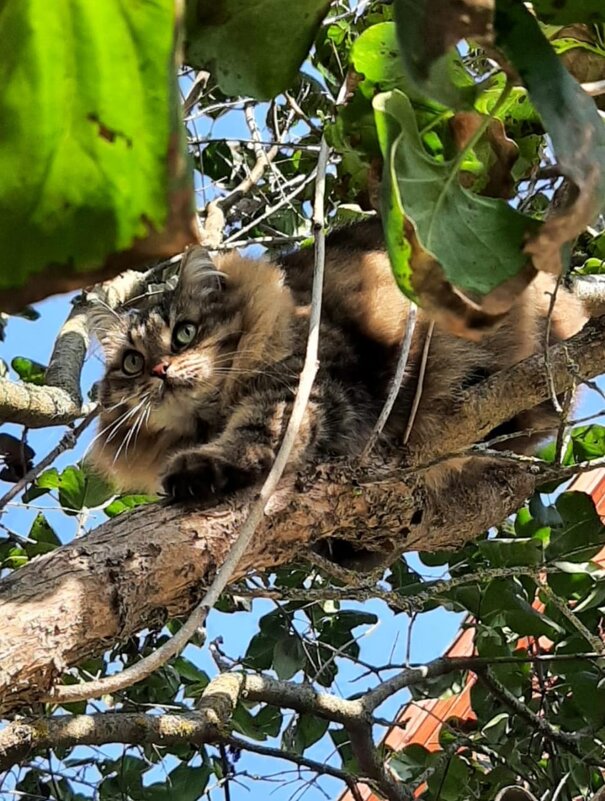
{"x": 199, "y": 386}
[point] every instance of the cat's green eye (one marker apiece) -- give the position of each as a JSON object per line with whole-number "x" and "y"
{"x": 132, "y": 363}
{"x": 183, "y": 335}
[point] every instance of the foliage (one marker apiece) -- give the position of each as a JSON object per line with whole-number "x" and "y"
{"x": 89, "y": 176}
{"x": 470, "y": 167}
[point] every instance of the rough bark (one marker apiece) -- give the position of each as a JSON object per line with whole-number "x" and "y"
{"x": 140, "y": 569}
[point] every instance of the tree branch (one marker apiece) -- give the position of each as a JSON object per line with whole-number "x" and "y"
{"x": 23, "y": 738}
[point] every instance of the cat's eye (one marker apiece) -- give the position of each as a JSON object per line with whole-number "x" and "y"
{"x": 133, "y": 362}
{"x": 183, "y": 335}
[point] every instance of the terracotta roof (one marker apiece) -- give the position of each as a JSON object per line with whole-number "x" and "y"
{"x": 423, "y": 719}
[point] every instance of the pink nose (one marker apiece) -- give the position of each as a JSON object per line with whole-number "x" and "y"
{"x": 160, "y": 370}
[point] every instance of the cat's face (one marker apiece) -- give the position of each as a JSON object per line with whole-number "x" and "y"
{"x": 165, "y": 365}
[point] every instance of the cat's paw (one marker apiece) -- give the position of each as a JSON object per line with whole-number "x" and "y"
{"x": 203, "y": 476}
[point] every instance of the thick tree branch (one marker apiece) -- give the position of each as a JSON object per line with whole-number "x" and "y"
{"x": 24, "y": 738}
{"x": 521, "y": 387}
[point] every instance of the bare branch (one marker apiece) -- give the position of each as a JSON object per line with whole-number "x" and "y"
{"x": 567, "y": 741}
{"x": 321, "y": 768}
{"x": 23, "y": 738}
{"x": 395, "y": 386}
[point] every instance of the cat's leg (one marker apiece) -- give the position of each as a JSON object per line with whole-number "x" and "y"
{"x": 243, "y": 454}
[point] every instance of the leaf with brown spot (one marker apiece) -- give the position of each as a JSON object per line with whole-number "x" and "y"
{"x": 101, "y": 181}
{"x": 571, "y": 119}
{"x": 457, "y": 253}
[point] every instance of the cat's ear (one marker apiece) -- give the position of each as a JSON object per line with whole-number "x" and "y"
{"x": 197, "y": 270}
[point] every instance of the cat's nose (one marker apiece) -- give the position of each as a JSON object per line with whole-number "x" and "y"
{"x": 160, "y": 370}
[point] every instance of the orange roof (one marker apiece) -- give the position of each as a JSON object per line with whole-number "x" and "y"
{"x": 421, "y": 721}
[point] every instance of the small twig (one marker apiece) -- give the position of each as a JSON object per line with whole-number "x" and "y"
{"x": 407, "y": 603}
{"x": 319, "y": 767}
{"x": 419, "y": 383}
{"x": 263, "y": 160}
{"x": 566, "y": 741}
{"x": 396, "y": 382}
{"x": 175, "y": 645}
{"x": 564, "y": 432}
{"x": 547, "y": 364}
{"x": 593, "y": 640}
{"x": 67, "y": 442}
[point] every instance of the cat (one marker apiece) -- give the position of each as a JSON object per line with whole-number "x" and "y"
{"x": 199, "y": 385}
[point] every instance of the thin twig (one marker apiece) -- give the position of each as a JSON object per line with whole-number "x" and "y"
{"x": 175, "y": 645}
{"x": 593, "y": 640}
{"x": 419, "y": 383}
{"x": 396, "y": 382}
{"x": 66, "y": 443}
{"x": 566, "y": 741}
{"x": 319, "y": 767}
{"x": 300, "y": 181}
{"x": 547, "y": 364}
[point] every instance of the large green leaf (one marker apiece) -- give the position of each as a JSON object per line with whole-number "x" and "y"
{"x": 252, "y": 47}
{"x": 476, "y": 240}
{"x": 89, "y": 113}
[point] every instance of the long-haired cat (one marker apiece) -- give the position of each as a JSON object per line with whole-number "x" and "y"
{"x": 198, "y": 388}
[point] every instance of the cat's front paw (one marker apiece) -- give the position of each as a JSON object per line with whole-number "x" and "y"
{"x": 203, "y": 476}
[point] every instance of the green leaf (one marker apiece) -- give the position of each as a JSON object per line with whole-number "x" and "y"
{"x": 504, "y": 604}
{"x": 72, "y": 489}
{"x": 185, "y": 783}
{"x": 45, "y": 482}
{"x": 588, "y": 442}
{"x": 127, "y": 502}
{"x": 410, "y": 762}
{"x": 252, "y": 47}
{"x": 308, "y": 730}
{"x": 446, "y": 216}
{"x": 189, "y": 672}
{"x": 581, "y": 534}
{"x": 99, "y": 177}
{"x": 445, "y": 783}
{"x": 28, "y": 370}
{"x": 45, "y": 539}
{"x": 288, "y": 656}
{"x": 509, "y": 553}
{"x": 565, "y": 12}
{"x": 436, "y": 73}
{"x": 13, "y": 556}
{"x": 266, "y": 723}
{"x": 259, "y": 654}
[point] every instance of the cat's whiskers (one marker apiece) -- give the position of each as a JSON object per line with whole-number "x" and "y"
{"x": 126, "y": 440}
{"x": 109, "y": 427}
